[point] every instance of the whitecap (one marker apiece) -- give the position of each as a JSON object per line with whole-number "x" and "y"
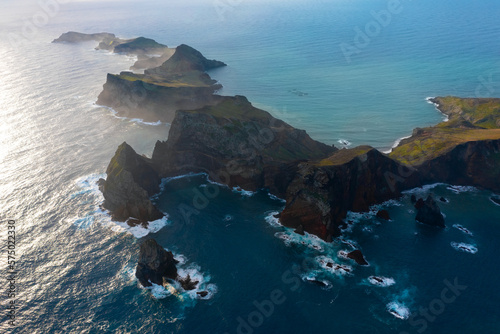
{"x": 159, "y": 291}
{"x": 463, "y": 229}
{"x": 132, "y": 120}
{"x": 461, "y": 189}
{"x": 272, "y": 220}
{"x": 436, "y": 105}
{"x": 463, "y": 247}
{"x": 396, "y": 144}
{"x": 381, "y": 281}
{"x": 307, "y": 240}
{"x": 243, "y": 192}
{"x": 329, "y": 265}
{"x": 344, "y": 143}
{"x": 271, "y": 196}
{"x": 398, "y": 310}
{"x": 423, "y": 189}
{"x": 495, "y": 200}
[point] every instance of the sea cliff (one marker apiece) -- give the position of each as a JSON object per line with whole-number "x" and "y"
{"x": 239, "y": 145}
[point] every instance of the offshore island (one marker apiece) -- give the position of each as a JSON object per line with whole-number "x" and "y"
{"x": 239, "y": 145}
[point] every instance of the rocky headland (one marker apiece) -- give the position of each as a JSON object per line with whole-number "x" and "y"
{"x": 239, "y": 145}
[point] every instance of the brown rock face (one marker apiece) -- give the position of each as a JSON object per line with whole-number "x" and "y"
{"x": 320, "y": 195}
{"x": 131, "y": 181}
{"x": 474, "y": 163}
{"x": 236, "y": 144}
{"x": 153, "y": 101}
{"x": 155, "y": 264}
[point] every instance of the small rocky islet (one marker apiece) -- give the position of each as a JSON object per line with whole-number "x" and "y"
{"x": 236, "y": 144}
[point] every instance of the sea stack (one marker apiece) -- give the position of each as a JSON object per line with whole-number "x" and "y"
{"x": 428, "y": 212}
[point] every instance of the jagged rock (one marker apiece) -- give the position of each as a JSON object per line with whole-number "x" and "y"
{"x": 357, "y": 256}
{"x": 428, "y": 212}
{"x": 383, "y": 214}
{"x": 322, "y": 192}
{"x": 130, "y": 182}
{"x": 236, "y": 144}
{"x": 155, "y": 264}
{"x": 187, "y": 283}
{"x": 300, "y": 230}
{"x": 202, "y": 294}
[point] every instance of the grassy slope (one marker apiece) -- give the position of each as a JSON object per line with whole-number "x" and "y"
{"x": 469, "y": 120}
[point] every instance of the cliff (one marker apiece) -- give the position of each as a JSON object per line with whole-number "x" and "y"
{"x": 321, "y": 193}
{"x": 149, "y": 52}
{"x": 463, "y": 150}
{"x": 77, "y": 37}
{"x": 180, "y": 83}
{"x": 236, "y": 144}
{"x": 154, "y": 99}
{"x": 130, "y": 182}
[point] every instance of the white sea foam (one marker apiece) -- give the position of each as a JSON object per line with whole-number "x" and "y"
{"x": 329, "y": 265}
{"x": 422, "y": 190}
{"x": 399, "y": 310}
{"x": 463, "y": 229}
{"x": 381, "y": 281}
{"x": 276, "y": 198}
{"x": 140, "y": 231}
{"x": 311, "y": 241}
{"x": 463, "y": 247}
{"x": 132, "y": 120}
{"x": 396, "y": 144}
{"x": 492, "y": 201}
{"x": 344, "y": 143}
{"x": 436, "y": 105}
{"x": 271, "y": 220}
{"x": 462, "y": 189}
{"x": 312, "y": 277}
{"x": 243, "y": 192}
{"x": 88, "y": 184}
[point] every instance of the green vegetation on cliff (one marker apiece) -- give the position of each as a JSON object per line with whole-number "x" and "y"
{"x": 469, "y": 120}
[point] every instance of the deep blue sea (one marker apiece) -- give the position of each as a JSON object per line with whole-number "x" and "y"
{"x": 352, "y": 70}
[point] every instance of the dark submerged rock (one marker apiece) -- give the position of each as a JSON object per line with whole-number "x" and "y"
{"x": 383, "y": 214}
{"x": 202, "y": 294}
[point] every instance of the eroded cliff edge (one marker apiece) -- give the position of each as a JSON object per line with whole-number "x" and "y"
{"x": 240, "y": 145}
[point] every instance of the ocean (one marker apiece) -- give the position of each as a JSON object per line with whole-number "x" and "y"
{"x": 351, "y": 71}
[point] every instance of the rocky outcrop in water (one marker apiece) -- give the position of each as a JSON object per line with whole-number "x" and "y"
{"x": 357, "y": 256}
{"x": 322, "y": 192}
{"x": 428, "y": 212}
{"x": 155, "y": 264}
{"x": 131, "y": 181}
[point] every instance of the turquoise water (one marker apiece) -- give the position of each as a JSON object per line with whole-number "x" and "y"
{"x": 77, "y": 267}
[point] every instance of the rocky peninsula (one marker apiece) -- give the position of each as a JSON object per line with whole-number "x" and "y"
{"x": 239, "y": 145}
